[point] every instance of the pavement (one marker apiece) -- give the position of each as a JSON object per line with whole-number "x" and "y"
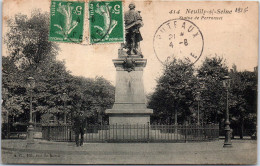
{"x": 46, "y": 152}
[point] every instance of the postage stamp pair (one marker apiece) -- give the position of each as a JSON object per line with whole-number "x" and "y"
{"x": 105, "y": 19}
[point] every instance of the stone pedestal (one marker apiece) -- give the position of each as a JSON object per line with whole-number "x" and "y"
{"x": 129, "y": 106}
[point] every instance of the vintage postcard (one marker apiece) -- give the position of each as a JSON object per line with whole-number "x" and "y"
{"x": 129, "y": 82}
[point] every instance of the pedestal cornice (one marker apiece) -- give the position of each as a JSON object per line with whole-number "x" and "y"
{"x": 135, "y": 63}
{"x": 129, "y": 111}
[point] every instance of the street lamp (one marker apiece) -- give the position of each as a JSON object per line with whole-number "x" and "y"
{"x": 198, "y": 99}
{"x": 227, "y": 143}
{"x": 30, "y": 85}
{"x": 201, "y": 88}
{"x": 64, "y": 97}
{"x": 5, "y": 96}
{"x": 178, "y": 88}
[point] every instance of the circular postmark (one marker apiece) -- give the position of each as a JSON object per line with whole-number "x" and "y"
{"x": 179, "y": 39}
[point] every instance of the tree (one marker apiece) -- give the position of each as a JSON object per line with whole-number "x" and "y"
{"x": 243, "y": 101}
{"x": 13, "y": 91}
{"x": 91, "y": 95}
{"x": 29, "y": 51}
{"x": 31, "y": 54}
{"x": 173, "y": 97}
{"x": 213, "y": 98}
{"x": 27, "y": 41}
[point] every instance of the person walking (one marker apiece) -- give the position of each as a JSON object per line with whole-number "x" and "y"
{"x": 79, "y": 128}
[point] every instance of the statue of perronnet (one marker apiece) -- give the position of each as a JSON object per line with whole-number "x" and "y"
{"x": 133, "y": 22}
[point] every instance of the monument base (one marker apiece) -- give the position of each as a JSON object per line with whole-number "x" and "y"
{"x": 129, "y": 116}
{"x": 129, "y": 108}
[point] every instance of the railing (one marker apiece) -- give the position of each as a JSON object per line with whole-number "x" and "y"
{"x": 57, "y": 132}
{"x": 37, "y": 127}
{"x": 133, "y": 133}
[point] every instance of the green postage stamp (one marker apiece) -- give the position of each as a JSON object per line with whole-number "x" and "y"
{"x": 106, "y": 22}
{"x": 67, "y": 20}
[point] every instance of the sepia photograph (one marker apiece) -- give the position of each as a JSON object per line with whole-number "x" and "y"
{"x": 129, "y": 82}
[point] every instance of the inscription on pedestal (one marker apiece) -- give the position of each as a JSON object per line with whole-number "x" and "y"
{"x": 129, "y": 87}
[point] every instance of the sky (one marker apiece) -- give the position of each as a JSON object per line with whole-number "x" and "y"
{"x": 234, "y": 37}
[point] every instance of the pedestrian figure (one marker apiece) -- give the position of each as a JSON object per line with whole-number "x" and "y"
{"x": 79, "y": 127}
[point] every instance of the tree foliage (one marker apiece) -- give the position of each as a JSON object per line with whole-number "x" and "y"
{"x": 57, "y": 92}
{"x": 174, "y": 92}
{"x": 243, "y": 102}
{"x": 213, "y": 97}
{"x": 182, "y": 87}
{"x": 27, "y": 40}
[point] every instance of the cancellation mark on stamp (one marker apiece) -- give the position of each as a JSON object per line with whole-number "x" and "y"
{"x": 106, "y": 22}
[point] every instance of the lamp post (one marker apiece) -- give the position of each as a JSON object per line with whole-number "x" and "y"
{"x": 198, "y": 99}
{"x": 30, "y": 85}
{"x": 227, "y": 143}
{"x": 201, "y": 88}
{"x": 177, "y": 97}
{"x": 64, "y": 97}
{"x": 5, "y": 96}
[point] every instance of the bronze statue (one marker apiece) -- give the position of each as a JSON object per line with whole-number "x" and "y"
{"x": 133, "y": 22}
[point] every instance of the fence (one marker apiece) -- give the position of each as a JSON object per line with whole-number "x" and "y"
{"x": 133, "y": 133}
{"x": 14, "y": 130}
{"x": 37, "y": 127}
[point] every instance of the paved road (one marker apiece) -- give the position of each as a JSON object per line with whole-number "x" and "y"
{"x": 242, "y": 152}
